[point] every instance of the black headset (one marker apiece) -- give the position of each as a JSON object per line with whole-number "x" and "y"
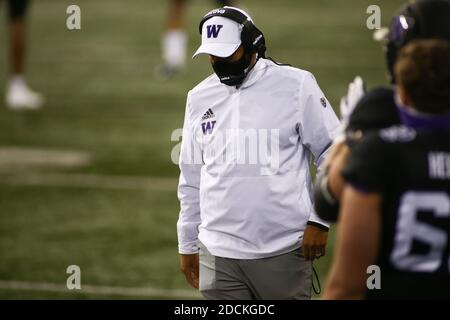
{"x": 252, "y": 38}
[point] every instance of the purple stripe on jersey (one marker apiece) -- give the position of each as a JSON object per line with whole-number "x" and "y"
{"x": 420, "y": 121}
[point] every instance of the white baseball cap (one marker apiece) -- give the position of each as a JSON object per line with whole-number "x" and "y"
{"x": 221, "y": 36}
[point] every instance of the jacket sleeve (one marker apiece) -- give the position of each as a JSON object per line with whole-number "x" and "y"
{"x": 190, "y": 164}
{"x": 318, "y": 123}
{"x": 318, "y": 126}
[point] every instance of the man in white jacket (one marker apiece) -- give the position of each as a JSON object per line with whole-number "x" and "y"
{"x": 247, "y": 228}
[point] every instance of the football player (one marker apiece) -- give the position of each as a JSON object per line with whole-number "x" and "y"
{"x": 174, "y": 39}
{"x": 18, "y": 94}
{"x": 376, "y": 109}
{"x": 395, "y": 211}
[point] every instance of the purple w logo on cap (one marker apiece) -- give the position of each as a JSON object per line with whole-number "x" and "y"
{"x": 213, "y": 30}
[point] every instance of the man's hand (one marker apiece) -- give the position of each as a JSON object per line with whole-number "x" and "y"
{"x": 189, "y": 265}
{"x": 314, "y": 242}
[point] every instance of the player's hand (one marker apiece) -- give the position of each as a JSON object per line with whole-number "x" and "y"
{"x": 314, "y": 242}
{"x": 189, "y": 265}
{"x": 355, "y": 92}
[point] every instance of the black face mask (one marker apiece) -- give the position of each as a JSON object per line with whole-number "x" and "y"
{"x": 232, "y": 73}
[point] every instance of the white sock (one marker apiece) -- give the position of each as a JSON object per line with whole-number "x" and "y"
{"x": 174, "y": 48}
{"x": 17, "y": 81}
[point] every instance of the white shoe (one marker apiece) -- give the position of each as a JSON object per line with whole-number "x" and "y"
{"x": 20, "y": 97}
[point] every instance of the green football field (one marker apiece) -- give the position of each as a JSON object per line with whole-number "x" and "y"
{"x": 89, "y": 181}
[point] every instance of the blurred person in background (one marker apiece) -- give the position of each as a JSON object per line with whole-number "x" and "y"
{"x": 247, "y": 228}
{"x": 395, "y": 211}
{"x": 174, "y": 39}
{"x": 18, "y": 95}
{"x": 362, "y": 112}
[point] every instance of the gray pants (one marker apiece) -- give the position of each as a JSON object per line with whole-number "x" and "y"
{"x": 283, "y": 277}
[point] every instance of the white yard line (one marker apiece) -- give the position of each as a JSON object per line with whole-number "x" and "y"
{"x": 23, "y": 157}
{"x": 100, "y": 290}
{"x": 89, "y": 181}
{"x": 18, "y": 167}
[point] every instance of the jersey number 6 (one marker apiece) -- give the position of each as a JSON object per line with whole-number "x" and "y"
{"x": 409, "y": 228}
